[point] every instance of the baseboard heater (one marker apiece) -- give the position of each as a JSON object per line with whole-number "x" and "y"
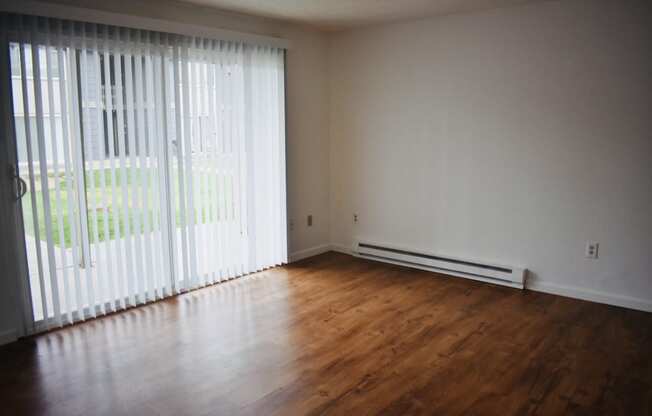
{"x": 470, "y": 269}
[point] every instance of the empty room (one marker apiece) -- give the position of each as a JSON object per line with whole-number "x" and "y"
{"x": 311, "y": 207}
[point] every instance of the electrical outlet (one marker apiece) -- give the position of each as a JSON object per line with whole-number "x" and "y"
{"x": 355, "y": 218}
{"x": 309, "y": 220}
{"x": 591, "y": 251}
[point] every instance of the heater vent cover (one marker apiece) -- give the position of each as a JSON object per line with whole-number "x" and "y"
{"x": 470, "y": 269}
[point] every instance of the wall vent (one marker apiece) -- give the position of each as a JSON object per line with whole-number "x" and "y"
{"x": 470, "y": 269}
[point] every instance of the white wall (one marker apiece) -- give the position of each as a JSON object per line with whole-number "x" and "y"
{"x": 513, "y": 135}
{"x": 307, "y": 118}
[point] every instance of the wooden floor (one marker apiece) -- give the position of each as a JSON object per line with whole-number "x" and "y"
{"x": 342, "y": 336}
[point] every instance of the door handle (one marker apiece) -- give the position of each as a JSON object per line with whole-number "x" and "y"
{"x": 20, "y": 185}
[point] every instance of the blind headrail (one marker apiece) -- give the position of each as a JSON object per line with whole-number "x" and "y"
{"x": 85, "y": 15}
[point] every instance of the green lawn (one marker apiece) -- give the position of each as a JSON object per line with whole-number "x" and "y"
{"x": 97, "y": 195}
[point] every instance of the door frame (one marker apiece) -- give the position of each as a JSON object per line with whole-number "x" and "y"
{"x": 12, "y": 245}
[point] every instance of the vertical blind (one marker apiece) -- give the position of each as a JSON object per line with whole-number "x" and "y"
{"x": 154, "y": 162}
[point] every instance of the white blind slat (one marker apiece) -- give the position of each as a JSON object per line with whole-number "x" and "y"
{"x": 219, "y": 154}
{"x": 86, "y": 162}
{"x": 188, "y": 168}
{"x": 166, "y": 219}
{"x": 203, "y": 193}
{"x": 144, "y": 165}
{"x": 60, "y": 305}
{"x": 213, "y": 166}
{"x": 52, "y": 292}
{"x": 184, "y": 269}
{"x": 153, "y": 196}
{"x": 115, "y": 282}
{"x": 133, "y": 212}
{"x": 81, "y": 243}
{"x": 127, "y": 240}
{"x": 70, "y": 288}
{"x": 32, "y": 182}
{"x": 105, "y": 259}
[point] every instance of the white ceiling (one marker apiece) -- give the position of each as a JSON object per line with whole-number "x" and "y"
{"x": 344, "y": 14}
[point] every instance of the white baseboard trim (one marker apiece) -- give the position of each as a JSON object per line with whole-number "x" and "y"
{"x": 309, "y": 252}
{"x": 341, "y": 248}
{"x": 591, "y": 295}
{"x": 8, "y": 336}
{"x": 546, "y": 287}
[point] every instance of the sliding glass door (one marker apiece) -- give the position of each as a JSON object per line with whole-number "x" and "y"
{"x": 148, "y": 163}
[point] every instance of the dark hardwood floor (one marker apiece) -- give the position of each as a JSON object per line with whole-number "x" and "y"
{"x": 342, "y": 336}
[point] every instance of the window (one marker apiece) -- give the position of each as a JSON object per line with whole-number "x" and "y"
{"x": 155, "y": 163}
